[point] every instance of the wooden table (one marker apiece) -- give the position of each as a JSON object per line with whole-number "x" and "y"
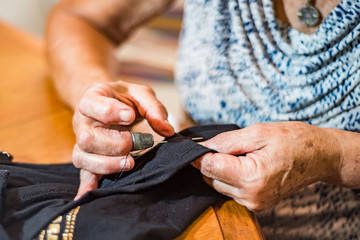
{"x": 35, "y": 127}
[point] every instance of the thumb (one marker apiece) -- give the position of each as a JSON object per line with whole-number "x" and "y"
{"x": 236, "y": 142}
{"x": 88, "y": 182}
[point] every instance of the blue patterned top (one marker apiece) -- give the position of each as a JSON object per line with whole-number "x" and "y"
{"x": 238, "y": 64}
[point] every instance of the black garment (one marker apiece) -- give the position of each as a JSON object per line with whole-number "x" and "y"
{"x": 158, "y": 199}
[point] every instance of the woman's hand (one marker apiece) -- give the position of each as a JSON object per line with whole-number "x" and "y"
{"x": 102, "y": 121}
{"x": 276, "y": 159}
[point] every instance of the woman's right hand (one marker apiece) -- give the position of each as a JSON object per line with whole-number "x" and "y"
{"x": 102, "y": 121}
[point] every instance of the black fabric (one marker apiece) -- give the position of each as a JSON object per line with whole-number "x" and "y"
{"x": 5, "y": 156}
{"x": 158, "y": 199}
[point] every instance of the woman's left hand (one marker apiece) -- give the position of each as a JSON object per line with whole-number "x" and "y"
{"x": 260, "y": 164}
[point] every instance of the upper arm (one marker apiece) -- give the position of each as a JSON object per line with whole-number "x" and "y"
{"x": 115, "y": 18}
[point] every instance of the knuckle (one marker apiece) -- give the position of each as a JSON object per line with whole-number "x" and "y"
{"x": 207, "y": 166}
{"x": 147, "y": 89}
{"x": 108, "y": 113}
{"x": 119, "y": 150}
{"x": 76, "y": 159}
{"x": 107, "y": 110}
{"x": 82, "y": 105}
{"x": 237, "y": 195}
{"x": 161, "y": 107}
{"x": 85, "y": 140}
{"x": 107, "y": 168}
{"x": 257, "y": 129}
{"x": 123, "y": 145}
{"x": 254, "y": 205}
{"x": 98, "y": 88}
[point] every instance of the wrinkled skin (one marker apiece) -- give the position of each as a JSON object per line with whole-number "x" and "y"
{"x": 260, "y": 164}
{"x": 102, "y": 120}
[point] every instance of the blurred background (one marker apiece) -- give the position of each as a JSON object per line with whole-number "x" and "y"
{"x": 148, "y": 57}
{"x": 29, "y": 15}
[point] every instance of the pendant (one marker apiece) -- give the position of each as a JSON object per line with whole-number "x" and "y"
{"x": 309, "y": 15}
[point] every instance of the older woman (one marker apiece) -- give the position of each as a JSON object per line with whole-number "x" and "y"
{"x": 286, "y": 71}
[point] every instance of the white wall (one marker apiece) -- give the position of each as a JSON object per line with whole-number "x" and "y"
{"x": 29, "y": 15}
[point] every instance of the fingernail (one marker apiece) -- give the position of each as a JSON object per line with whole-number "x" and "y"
{"x": 125, "y": 116}
{"x": 77, "y": 197}
{"x": 124, "y": 165}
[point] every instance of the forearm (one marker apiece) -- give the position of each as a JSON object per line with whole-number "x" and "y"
{"x": 344, "y": 166}
{"x": 81, "y": 36}
{"x": 78, "y": 56}
{"x": 349, "y": 166}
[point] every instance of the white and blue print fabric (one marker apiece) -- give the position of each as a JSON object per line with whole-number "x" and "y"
{"x": 238, "y": 64}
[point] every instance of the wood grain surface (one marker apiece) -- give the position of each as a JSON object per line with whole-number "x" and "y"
{"x": 35, "y": 127}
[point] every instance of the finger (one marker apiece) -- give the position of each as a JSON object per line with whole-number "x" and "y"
{"x": 226, "y": 189}
{"x": 88, "y": 182}
{"x": 103, "y": 141}
{"x": 240, "y": 141}
{"x": 229, "y": 169}
{"x": 101, "y": 164}
{"x": 240, "y": 195}
{"x": 105, "y": 109}
{"x": 153, "y": 111}
{"x": 217, "y": 166}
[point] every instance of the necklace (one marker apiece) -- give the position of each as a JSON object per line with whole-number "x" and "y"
{"x": 309, "y": 15}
